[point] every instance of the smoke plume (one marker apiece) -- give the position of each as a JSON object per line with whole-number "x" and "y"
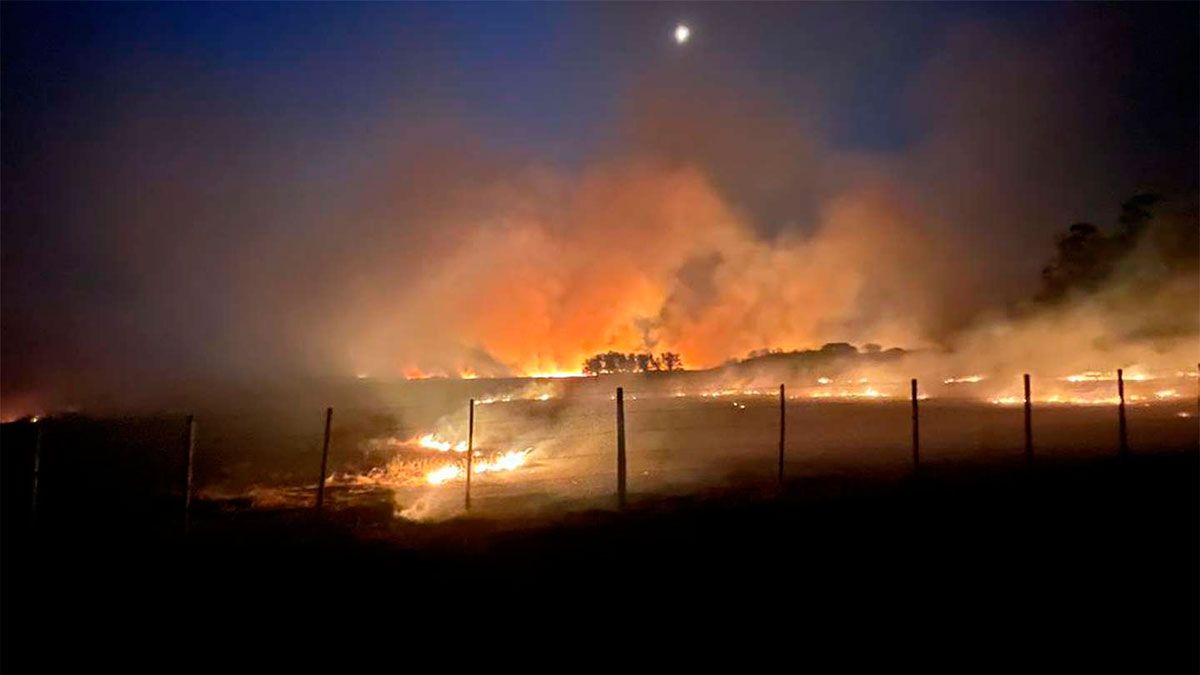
{"x": 188, "y": 238}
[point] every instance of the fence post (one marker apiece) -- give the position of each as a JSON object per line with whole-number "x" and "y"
{"x": 1121, "y": 428}
{"x": 37, "y": 467}
{"x": 324, "y": 460}
{"x": 1028, "y": 424}
{"x": 916, "y": 430}
{"x": 782, "y": 429}
{"x": 189, "y": 450}
{"x": 470, "y": 449}
{"x": 620, "y": 447}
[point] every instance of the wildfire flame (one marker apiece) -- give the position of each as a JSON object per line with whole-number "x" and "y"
{"x": 506, "y": 461}
{"x": 971, "y": 379}
{"x": 868, "y": 392}
{"x": 1093, "y": 398}
{"x": 1104, "y": 376}
{"x": 433, "y": 442}
{"x": 1068, "y": 400}
{"x": 443, "y": 474}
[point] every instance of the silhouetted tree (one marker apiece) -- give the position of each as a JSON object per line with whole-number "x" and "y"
{"x": 838, "y": 349}
{"x": 617, "y": 362}
{"x": 1081, "y": 260}
{"x": 758, "y": 353}
{"x": 1084, "y": 257}
{"x": 1135, "y": 214}
{"x": 646, "y": 363}
{"x": 671, "y": 361}
{"x": 594, "y": 365}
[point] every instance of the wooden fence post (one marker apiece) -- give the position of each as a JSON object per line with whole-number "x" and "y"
{"x": 620, "y": 447}
{"x": 1121, "y": 428}
{"x": 189, "y": 451}
{"x": 324, "y": 460}
{"x": 782, "y": 429}
{"x": 916, "y": 430}
{"x": 1028, "y": 424}
{"x": 470, "y": 450}
{"x": 37, "y": 468}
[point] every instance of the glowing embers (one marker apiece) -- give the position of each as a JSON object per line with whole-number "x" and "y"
{"x": 1062, "y": 399}
{"x": 443, "y": 474}
{"x": 1098, "y": 388}
{"x": 1104, "y": 376}
{"x": 509, "y": 398}
{"x": 866, "y": 392}
{"x": 1077, "y": 399}
{"x": 433, "y": 442}
{"x": 731, "y": 392}
{"x": 411, "y": 464}
{"x": 850, "y": 389}
{"x": 966, "y": 379}
{"x": 505, "y": 461}
{"x": 555, "y": 374}
{"x": 541, "y": 391}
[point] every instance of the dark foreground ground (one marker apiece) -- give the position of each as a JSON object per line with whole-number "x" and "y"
{"x": 1088, "y": 566}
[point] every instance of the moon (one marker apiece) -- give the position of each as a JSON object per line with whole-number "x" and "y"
{"x": 682, "y": 33}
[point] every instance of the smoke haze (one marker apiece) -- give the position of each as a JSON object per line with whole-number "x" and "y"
{"x": 158, "y": 234}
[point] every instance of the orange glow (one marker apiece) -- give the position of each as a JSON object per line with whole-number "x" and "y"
{"x": 968, "y": 379}
{"x": 1066, "y": 400}
{"x": 866, "y": 392}
{"x": 506, "y": 461}
{"x": 433, "y": 442}
{"x": 443, "y": 474}
{"x": 556, "y": 374}
{"x": 1105, "y": 376}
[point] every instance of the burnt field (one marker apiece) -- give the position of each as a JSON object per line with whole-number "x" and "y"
{"x": 1086, "y": 566}
{"x": 1085, "y": 561}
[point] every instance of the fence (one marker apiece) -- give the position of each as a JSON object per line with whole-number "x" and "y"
{"x": 588, "y": 449}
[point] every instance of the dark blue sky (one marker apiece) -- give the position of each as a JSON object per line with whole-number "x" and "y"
{"x": 547, "y": 76}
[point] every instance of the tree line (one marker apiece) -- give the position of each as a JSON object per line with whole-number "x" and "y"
{"x": 618, "y": 362}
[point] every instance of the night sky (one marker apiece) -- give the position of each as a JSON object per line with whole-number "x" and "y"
{"x": 208, "y": 190}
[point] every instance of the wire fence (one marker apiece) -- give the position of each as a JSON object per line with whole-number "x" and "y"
{"x": 540, "y": 452}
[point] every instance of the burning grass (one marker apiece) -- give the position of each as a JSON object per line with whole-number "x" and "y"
{"x": 553, "y": 441}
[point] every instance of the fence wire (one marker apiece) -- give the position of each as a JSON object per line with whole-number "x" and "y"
{"x": 565, "y": 447}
